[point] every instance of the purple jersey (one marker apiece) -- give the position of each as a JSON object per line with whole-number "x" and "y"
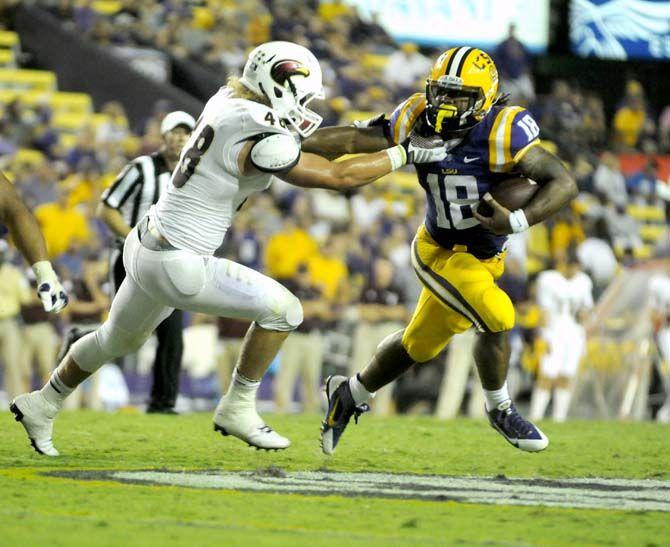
{"x": 486, "y": 156}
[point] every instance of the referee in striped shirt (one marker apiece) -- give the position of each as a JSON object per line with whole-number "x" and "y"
{"x": 124, "y": 204}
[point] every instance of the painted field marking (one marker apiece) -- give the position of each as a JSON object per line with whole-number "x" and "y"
{"x": 596, "y": 493}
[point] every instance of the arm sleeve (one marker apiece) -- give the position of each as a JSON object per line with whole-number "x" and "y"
{"x": 123, "y": 186}
{"x": 513, "y": 133}
{"x": 405, "y": 116}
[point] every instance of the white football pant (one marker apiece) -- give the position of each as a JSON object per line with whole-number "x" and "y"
{"x": 159, "y": 281}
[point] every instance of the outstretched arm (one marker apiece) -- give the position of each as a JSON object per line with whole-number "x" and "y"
{"x": 333, "y": 142}
{"x": 25, "y": 232}
{"x": 22, "y": 224}
{"x": 312, "y": 171}
{"x": 557, "y": 188}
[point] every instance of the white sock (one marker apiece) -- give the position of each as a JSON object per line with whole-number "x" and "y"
{"x": 242, "y": 389}
{"x": 358, "y": 391}
{"x": 496, "y": 396}
{"x": 55, "y": 391}
{"x": 562, "y": 398}
{"x": 539, "y": 402}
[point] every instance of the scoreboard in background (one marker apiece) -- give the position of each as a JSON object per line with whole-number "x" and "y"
{"x": 442, "y": 23}
{"x": 620, "y": 29}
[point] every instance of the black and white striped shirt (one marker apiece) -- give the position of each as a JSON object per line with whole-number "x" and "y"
{"x": 138, "y": 187}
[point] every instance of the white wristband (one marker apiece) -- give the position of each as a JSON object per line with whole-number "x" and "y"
{"x": 398, "y": 156}
{"x": 44, "y": 272}
{"x": 518, "y": 221}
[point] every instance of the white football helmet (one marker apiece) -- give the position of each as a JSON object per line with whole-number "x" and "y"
{"x": 289, "y": 75}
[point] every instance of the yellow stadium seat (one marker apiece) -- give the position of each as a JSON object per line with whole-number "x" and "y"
{"x": 107, "y": 7}
{"x": 644, "y": 252}
{"x": 63, "y": 101}
{"x": 29, "y": 156}
{"x": 374, "y": 61}
{"x": 646, "y": 213}
{"x": 652, "y": 232}
{"x": 69, "y": 122}
{"x": 9, "y": 39}
{"x": 27, "y": 79}
{"x": 7, "y": 59}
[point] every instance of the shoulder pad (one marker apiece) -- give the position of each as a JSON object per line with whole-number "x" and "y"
{"x": 405, "y": 115}
{"x": 259, "y": 115}
{"x": 274, "y": 152}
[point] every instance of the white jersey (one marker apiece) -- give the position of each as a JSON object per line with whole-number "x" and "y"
{"x": 562, "y": 298}
{"x": 207, "y": 187}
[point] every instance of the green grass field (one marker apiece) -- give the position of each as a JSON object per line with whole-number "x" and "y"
{"x": 47, "y": 510}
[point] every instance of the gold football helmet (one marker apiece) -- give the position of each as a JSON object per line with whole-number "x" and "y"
{"x": 460, "y": 90}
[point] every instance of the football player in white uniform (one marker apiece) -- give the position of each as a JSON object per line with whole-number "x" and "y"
{"x": 659, "y": 294}
{"x": 249, "y": 131}
{"x": 564, "y": 295}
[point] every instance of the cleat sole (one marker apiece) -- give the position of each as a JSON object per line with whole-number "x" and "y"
{"x": 18, "y": 415}
{"x": 221, "y": 430}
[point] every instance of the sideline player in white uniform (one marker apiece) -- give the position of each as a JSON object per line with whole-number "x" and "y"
{"x": 564, "y": 296}
{"x": 248, "y": 132}
{"x": 659, "y": 295}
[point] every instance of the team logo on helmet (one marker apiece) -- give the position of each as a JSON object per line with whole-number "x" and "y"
{"x": 282, "y": 70}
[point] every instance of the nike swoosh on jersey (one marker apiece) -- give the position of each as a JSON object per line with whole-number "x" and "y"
{"x": 470, "y": 160}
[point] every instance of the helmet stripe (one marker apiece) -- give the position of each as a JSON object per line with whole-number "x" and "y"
{"x": 459, "y": 70}
{"x": 456, "y": 62}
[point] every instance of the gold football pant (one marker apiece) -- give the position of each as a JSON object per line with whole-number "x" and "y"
{"x": 459, "y": 291}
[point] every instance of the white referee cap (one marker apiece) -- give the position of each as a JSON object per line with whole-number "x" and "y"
{"x": 175, "y": 119}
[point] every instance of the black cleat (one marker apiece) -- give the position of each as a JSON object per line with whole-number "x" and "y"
{"x": 518, "y": 431}
{"x": 341, "y": 407}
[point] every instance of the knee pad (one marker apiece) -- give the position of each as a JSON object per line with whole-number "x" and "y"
{"x": 104, "y": 345}
{"x": 284, "y": 315}
{"x": 499, "y": 310}
{"x": 418, "y": 349}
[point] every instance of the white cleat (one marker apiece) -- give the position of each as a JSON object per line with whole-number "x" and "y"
{"x": 243, "y": 422}
{"x": 36, "y": 415}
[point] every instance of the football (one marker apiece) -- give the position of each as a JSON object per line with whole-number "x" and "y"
{"x": 513, "y": 193}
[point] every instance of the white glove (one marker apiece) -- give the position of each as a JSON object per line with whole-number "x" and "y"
{"x": 420, "y": 149}
{"x": 51, "y": 292}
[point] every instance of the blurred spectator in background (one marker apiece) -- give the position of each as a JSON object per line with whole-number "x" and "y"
{"x": 14, "y": 292}
{"x": 63, "y": 226}
{"x": 514, "y": 66}
{"x": 39, "y": 340}
{"x": 460, "y": 371}
{"x": 631, "y": 121}
{"x": 608, "y": 180}
{"x": 659, "y": 297}
{"x": 641, "y": 186}
{"x": 302, "y": 353}
{"x": 328, "y": 269}
{"x": 38, "y": 185}
{"x": 623, "y": 230}
{"x": 381, "y": 311}
{"x": 406, "y": 68}
{"x": 597, "y": 258}
{"x": 231, "y": 335}
{"x": 287, "y": 249}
